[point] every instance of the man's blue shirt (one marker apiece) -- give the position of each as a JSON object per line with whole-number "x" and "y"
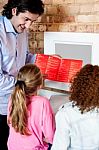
{"x": 13, "y": 55}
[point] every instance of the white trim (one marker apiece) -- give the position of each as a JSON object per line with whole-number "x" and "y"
{"x": 91, "y": 39}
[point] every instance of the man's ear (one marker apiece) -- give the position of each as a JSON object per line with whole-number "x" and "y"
{"x": 14, "y": 11}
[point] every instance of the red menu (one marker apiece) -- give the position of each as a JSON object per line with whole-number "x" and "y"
{"x": 57, "y": 68}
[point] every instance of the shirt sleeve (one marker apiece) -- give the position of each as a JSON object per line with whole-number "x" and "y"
{"x": 30, "y": 58}
{"x": 48, "y": 125}
{"x": 8, "y": 111}
{"x": 61, "y": 138}
{"x": 6, "y": 81}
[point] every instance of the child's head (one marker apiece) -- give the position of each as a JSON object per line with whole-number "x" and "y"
{"x": 85, "y": 88}
{"x": 29, "y": 79}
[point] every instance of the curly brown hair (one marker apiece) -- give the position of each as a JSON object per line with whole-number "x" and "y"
{"x": 85, "y": 88}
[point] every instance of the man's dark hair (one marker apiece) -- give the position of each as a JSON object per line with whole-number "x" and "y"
{"x": 33, "y": 6}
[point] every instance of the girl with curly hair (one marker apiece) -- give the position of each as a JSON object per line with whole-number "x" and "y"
{"x": 77, "y": 122}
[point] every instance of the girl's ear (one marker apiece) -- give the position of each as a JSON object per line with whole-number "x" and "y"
{"x": 14, "y": 11}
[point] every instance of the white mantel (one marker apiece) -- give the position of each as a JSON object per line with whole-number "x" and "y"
{"x": 73, "y": 45}
{"x": 84, "y": 46}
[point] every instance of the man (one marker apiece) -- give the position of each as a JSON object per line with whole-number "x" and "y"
{"x": 16, "y": 18}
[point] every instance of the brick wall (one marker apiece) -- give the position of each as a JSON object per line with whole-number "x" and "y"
{"x": 63, "y": 15}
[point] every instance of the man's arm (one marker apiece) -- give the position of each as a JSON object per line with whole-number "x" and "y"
{"x": 6, "y": 81}
{"x": 30, "y": 58}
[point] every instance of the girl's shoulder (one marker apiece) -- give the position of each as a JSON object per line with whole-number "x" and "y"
{"x": 39, "y": 99}
{"x": 65, "y": 106}
{"x": 68, "y": 110}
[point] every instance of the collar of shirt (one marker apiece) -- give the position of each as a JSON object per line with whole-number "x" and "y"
{"x": 9, "y": 26}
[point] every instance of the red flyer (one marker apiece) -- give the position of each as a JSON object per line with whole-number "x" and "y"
{"x": 56, "y": 68}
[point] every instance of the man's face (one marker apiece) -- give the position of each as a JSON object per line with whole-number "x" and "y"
{"x": 22, "y": 21}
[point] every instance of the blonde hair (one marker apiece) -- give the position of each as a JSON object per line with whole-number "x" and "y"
{"x": 29, "y": 79}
